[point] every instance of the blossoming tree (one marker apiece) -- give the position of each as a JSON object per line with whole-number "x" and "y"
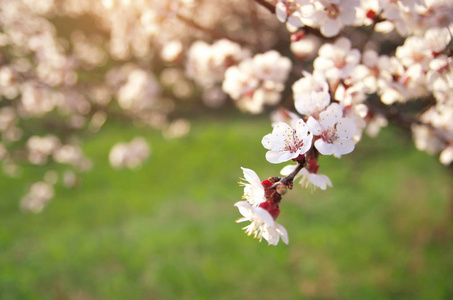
{"x": 328, "y": 70}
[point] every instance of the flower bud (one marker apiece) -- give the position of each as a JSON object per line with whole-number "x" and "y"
{"x": 297, "y": 36}
{"x": 266, "y": 184}
{"x": 281, "y": 189}
{"x": 274, "y": 179}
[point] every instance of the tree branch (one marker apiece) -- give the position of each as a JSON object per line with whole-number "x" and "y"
{"x": 267, "y": 5}
{"x": 215, "y": 34}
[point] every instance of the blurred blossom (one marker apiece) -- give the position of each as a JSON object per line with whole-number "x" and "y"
{"x": 306, "y": 47}
{"x": 88, "y": 50}
{"x": 51, "y": 177}
{"x": 375, "y": 125}
{"x": 10, "y": 168}
{"x": 137, "y": 89}
{"x": 426, "y": 140}
{"x": 138, "y": 60}
{"x": 36, "y": 100}
{"x": 177, "y": 129}
{"x": 72, "y": 155}
{"x": 207, "y": 64}
{"x": 446, "y": 156}
{"x": 69, "y": 178}
{"x": 129, "y": 155}
{"x": 8, "y": 86}
{"x": 171, "y": 51}
{"x": 8, "y": 118}
{"x": 171, "y": 76}
{"x": 97, "y": 120}
{"x": 76, "y": 122}
{"x": 213, "y": 97}
{"x": 38, "y": 196}
{"x": 257, "y": 81}
{"x": 100, "y": 94}
{"x": 39, "y": 148}
{"x": 283, "y": 115}
{"x": 3, "y": 151}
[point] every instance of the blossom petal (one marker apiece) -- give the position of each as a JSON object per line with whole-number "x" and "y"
{"x": 331, "y": 27}
{"x": 343, "y": 146}
{"x": 314, "y": 126}
{"x": 331, "y": 115}
{"x": 282, "y": 232}
{"x": 320, "y": 180}
{"x": 346, "y": 128}
{"x": 276, "y": 157}
{"x": 244, "y": 208}
{"x": 251, "y": 176}
{"x": 288, "y": 170}
{"x": 324, "y": 148}
{"x": 264, "y": 216}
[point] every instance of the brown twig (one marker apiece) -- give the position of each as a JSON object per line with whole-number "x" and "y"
{"x": 290, "y": 177}
{"x": 267, "y": 5}
{"x": 215, "y": 34}
{"x": 255, "y": 24}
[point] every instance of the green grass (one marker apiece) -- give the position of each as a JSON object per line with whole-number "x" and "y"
{"x": 167, "y": 231}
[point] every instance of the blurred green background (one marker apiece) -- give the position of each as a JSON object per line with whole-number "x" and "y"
{"x": 167, "y": 230}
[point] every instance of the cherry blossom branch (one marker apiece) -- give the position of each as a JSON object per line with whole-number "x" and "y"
{"x": 213, "y": 33}
{"x": 307, "y": 30}
{"x": 255, "y": 24}
{"x": 289, "y": 179}
{"x": 396, "y": 116}
{"x": 267, "y": 5}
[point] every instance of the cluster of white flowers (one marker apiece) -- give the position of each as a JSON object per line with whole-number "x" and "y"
{"x": 327, "y": 132}
{"x": 257, "y": 81}
{"x": 330, "y": 16}
{"x": 435, "y": 135}
{"x": 127, "y": 59}
{"x": 129, "y": 155}
{"x": 262, "y": 218}
{"x": 334, "y": 100}
{"x": 41, "y": 148}
{"x": 262, "y": 224}
{"x": 38, "y": 196}
{"x": 136, "y": 89}
{"x": 207, "y": 64}
{"x": 139, "y": 60}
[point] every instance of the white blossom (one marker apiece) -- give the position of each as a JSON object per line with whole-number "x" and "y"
{"x": 446, "y": 156}
{"x": 129, "y": 155}
{"x": 337, "y": 61}
{"x": 334, "y": 132}
{"x": 207, "y": 64}
{"x": 292, "y": 12}
{"x": 38, "y": 196}
{"x": 331, "y": 15}
{"x": 287, "y": 142}
{"x": 305, "y": 48}
{"x": 253, "y": 190}
{"x": 257, "y": 81}
{"x": 262, "y": 224}
{"x": 311, "y": 94}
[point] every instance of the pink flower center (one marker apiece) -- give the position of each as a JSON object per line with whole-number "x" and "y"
{"x": 292, "y": 143}
{"x": 332, "y": 11}
{"x": 329, "y": 135}
{"x": 339, "y": 62}
{"x": 290, "y": 8}
{"x": 371, "y": 14}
